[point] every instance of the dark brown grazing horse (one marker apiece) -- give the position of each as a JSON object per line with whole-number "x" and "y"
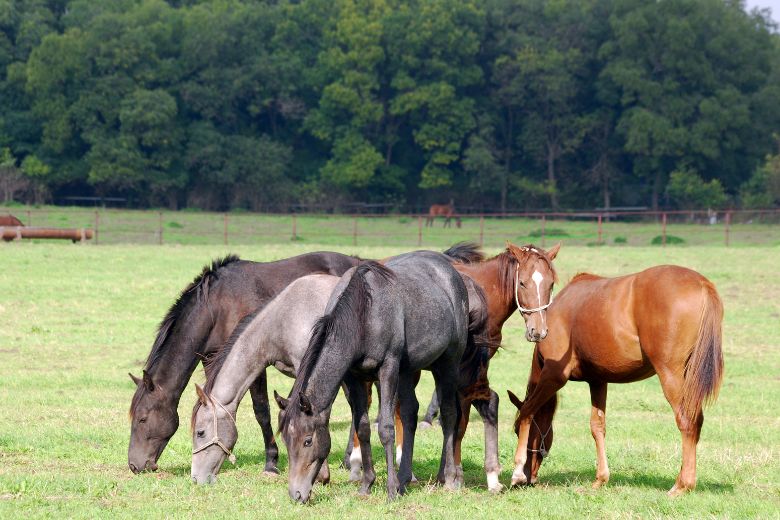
{"x": 665, "y": 320}
{"x": 196, "y": 326}
{"x": 10, "y": 220}
{"x": 520, "y": 276}
{"x": 442, "y": 210}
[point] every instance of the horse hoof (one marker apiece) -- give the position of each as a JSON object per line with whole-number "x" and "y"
{"x": 677, "y": 491}
{"x": 355, "y": 476}
{"x": 598, "y": 484}
{"x": 272, "y": 472}
{"x": 498, "y": 488}
{"x": 519, "y": 481}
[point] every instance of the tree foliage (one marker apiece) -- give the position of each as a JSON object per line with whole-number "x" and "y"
{"x": 498, "y": 104}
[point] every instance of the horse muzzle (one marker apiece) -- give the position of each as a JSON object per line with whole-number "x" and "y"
{"x": 210, "y": 478}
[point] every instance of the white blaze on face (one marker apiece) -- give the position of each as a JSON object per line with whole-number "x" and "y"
{"x": 537, "y": 277}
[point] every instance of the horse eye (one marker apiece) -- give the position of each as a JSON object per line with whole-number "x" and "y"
{"x": 142, "y": 420}
{"x": 522, "y": 285}
{"x": 307, "y": 443}
{"x": 201, "y": 433}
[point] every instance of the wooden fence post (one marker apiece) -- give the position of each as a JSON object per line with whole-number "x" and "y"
{"x": 663, "y": 230}
{"x": 481, "y": 230}
{"x": 600, "y": 231}
{"x": 354, "y": 231}
{"x": 728, "y": 227}
{"x": 97, "y": 226}
{"x": 419, "y": 231}
{"x": 159, "y": 228}
{"x": 295, "y": 227}
{"x": 225, "y": 227}
{"x": 544, "y": 225}
{"x": 29, "y": 218}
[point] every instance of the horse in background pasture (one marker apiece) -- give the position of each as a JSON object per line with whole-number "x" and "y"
{"x": 666, "y": 320}
{"x": 442, "y": 210}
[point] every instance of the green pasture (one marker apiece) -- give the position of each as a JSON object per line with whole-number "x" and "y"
{"x": 75, "y": 319}
{"x": 119, "y": 226}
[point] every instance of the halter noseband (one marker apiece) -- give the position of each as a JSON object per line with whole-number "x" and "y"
{"x": 542, "y": 451}
{"x": 215, "y": 440}
{"x": 517, "y": 298}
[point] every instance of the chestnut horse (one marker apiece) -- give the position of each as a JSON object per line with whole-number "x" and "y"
{"x": 665, "y": 320}
{"x": 10, "y": 220}
{"x": 442, "y": 210}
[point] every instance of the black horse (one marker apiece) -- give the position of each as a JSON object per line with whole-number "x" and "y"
{"x": 386, "y": 323}
{"x": 196, "y": 326}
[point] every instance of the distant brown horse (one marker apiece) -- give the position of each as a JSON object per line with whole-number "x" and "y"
{"x": 442, "y": 210}
{"x": 665, "y": 320}
{"x": 10, "y": 220}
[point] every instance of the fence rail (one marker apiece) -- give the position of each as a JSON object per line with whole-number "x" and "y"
{"x": 595, "y": 228}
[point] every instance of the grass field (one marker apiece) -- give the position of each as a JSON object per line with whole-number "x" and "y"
{"x": 74, "y": 320}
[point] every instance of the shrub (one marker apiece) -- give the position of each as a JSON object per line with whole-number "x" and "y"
{"x": 174, "y": 225}
{"x": 548, "y": 232}
{"x": 621, "y": 240}
{"x": 670, "y": 240}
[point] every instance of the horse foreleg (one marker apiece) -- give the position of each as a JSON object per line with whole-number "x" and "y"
{"x": 388, "y": 389}
{"x": 598, "y": 428}
{"x": 359, "y": 402}
{"x": 488, "y": 410}
{"x": 690, "y": 429}
{"x": 406, "y": 425}
{"x": 259, "y": 393}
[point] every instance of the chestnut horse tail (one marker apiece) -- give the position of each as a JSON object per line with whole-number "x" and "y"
{"x": 704, "y": 367}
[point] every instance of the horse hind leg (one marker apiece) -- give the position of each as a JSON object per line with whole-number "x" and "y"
{"x": 388, "y": 385}
{"x": 446, "y": 387}
{"x": 259, "y": 393}
{"x": 598, "y": 428}
{"x": 488, "y": 410}
{"x": 690, "y": 429}
{"x": 407, "y": 409}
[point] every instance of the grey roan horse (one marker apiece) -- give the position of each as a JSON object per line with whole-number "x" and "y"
{"x": 195, "y": 327}
{"x": 384, "y": 322}
{"x": 277, "y": 335}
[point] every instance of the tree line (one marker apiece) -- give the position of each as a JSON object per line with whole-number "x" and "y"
{"x": 495, "y": 104}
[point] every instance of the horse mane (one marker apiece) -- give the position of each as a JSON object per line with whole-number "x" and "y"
{"x": 510, "y": 258}
{"x": 465, "y": 252}
{"x": 198, "y": 290}
{"x": 346, "y": 321}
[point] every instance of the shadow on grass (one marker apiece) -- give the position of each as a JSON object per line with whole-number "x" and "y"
{"x": 665, "y": 483}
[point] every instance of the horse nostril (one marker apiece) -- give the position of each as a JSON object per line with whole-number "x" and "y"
{"x": 151, "y": 465}
{"x": 133, "y": 469}
{"x": 298, "y": 496}
{"x": 194, "y": 480}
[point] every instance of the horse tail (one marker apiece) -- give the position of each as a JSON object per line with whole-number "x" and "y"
{"x": 465, "y": 253}
{"x": 474, "y": 362}
{"x": 704, "y": 366}
{"x": 347, "y": 319}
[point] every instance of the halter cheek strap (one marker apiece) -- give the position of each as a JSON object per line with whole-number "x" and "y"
{"x": 517, "y": 298}
{"x": 542, "y": 451}
{"x": 215, "y": 440}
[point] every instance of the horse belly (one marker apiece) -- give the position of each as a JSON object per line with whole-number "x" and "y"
{"x": 614, "y": 356}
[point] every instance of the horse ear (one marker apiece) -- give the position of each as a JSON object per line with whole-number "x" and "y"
{"x": 281, "y": 401}
{"x": 515, "y": 400}
{"x": 305, "y": 403}
{"x": 204, "y": 399}
{"x": 136, "y": 380}
{"x": 553, "y": 251}
{"x": 148, "y": 381}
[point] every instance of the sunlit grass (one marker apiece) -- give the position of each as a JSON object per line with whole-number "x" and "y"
{"x": 74, "y": 320}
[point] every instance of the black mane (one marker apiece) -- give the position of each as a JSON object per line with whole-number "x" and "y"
{"x": 465, "y": 252}
{"x": 198, "y": 290}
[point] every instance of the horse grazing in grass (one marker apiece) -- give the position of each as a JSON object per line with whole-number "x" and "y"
{"x": 10, "y": 220}
{"x": 665, "y": 320}
{"x": 195, "y": 327}
{"x": 276, "y": 335}
{"x": 385, "y": 322}
{"x": 442, "y": 210}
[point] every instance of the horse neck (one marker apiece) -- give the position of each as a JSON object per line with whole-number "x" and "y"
{"x": 487, "y": 275}
{"x": 324, "y": 380}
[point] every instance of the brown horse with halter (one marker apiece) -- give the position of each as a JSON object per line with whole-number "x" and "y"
{"x": 442, "y": 210}
{"x": 665, "y": 320}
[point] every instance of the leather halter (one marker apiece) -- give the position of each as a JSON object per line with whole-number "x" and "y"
{"x": 517, "y": 298}
{"x": 542, "y": 451}
{"x": 215, "y": 440}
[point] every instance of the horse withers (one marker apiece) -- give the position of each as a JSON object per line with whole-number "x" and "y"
{"x": 665, "y": 320}
{"x": 384, "y": 322}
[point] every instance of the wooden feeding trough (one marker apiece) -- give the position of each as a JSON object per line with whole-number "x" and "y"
{"x": 11, "y": 228}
